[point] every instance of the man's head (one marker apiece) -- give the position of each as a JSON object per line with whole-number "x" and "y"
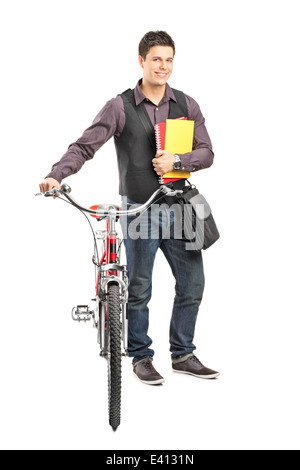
{"x": 156, "y": 54}
{"x": 155, "y": 38}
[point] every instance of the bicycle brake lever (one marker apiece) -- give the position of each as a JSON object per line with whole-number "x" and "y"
{"x": 52, "y": 192}
{"x": 65, "y": 188}
{"x": 49, "y": 193}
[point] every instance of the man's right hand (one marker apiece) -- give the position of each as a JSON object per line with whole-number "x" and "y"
{"x": 48, "y": 184}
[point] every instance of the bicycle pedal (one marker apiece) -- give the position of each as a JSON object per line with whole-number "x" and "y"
{"x": 82, "y": 313}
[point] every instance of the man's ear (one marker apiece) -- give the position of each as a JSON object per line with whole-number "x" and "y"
{"x": 141, "y": 61}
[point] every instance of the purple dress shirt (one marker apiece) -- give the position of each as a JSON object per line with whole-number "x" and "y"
{"x": 110, "y": 121}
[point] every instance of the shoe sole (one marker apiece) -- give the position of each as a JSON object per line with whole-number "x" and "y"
{"x": 150, "y": 382}
{"x": 207, "y": 377}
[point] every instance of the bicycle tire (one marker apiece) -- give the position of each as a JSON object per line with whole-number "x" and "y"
{"x": 114, "y": 357}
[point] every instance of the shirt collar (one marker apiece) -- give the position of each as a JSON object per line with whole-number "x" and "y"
{"x": 139, "y": 95}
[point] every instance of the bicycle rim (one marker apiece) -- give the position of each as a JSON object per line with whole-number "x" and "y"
{"x": 114, "y": 357}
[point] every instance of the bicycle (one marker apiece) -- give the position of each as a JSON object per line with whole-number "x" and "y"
{"x": 110, "y": 316}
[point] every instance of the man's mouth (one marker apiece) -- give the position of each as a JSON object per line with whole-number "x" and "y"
{"x": 161, "y": 75}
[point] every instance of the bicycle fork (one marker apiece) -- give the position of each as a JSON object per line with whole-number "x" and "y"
{"x": 106, "y": 278}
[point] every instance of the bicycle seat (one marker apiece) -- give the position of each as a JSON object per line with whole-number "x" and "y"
{"x": 104, "y": 207}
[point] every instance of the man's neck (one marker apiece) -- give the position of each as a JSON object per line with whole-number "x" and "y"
{"x": 153, "y": 93}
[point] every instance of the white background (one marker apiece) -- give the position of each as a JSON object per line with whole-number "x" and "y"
{"x": 60, "y": 62}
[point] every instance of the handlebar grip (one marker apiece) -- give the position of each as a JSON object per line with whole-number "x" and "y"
{"x": 51, "y": 192}
{"x": 63, "y": 189}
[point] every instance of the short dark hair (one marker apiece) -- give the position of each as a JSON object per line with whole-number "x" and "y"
{"x": 155, "y": 38}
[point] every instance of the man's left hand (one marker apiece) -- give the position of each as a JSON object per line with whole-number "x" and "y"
{"x": 163, "y": 162}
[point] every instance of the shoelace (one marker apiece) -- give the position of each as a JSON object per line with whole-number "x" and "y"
{"x": 195, "y": 359}
{"x": 148, "y": 365}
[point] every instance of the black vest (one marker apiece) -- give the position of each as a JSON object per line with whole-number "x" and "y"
{"x": 136, "y": 148}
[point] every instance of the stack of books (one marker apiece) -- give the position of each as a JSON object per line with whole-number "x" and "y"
{"x": 176, "y": 136}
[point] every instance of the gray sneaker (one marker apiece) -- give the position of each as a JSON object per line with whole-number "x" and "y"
{"x": 145, "y": 372}
{"x": 190, "y": 364}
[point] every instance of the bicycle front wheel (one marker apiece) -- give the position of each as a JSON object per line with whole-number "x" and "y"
{"x": 114, "y": 356}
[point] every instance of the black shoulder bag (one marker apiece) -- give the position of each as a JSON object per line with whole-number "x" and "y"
{"x": 199, "y": 227}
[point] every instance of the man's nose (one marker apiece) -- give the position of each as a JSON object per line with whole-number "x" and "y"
{"x": 163, "y": 65}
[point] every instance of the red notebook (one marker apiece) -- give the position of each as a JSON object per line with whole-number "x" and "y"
{"x": 160, "y": 137}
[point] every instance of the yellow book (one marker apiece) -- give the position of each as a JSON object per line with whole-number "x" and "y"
{"x": 179, "y": 139}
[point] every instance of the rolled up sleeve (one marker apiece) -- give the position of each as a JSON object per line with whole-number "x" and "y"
{"x": 202, "y": 155}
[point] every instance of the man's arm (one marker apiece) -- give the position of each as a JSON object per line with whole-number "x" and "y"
{"x": 109, "y": 121}
{"x": 202, "y": 155}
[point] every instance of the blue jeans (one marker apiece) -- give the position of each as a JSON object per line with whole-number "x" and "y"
{"x": 143, "y": 237}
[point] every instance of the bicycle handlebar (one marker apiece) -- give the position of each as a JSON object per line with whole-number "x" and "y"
{"x": 65, "y": 191}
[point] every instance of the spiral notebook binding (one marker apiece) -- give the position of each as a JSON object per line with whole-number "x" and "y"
{"x": 158, "y": 137}
{"x": 158, "y": 146}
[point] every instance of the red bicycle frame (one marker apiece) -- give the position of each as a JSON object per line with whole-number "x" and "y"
{"x": 109, "y": 255}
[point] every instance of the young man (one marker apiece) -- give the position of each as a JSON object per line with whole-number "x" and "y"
{"x": 139, "y": 169}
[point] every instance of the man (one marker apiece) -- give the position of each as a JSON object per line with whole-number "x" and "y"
{"x": 139, "y": 169}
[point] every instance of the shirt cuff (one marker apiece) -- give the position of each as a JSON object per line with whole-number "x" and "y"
{"x": 186, "y": 162}
{"x": 55, "y": 175}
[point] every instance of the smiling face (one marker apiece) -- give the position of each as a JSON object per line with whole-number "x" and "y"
{"x": 158, "y": 65}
